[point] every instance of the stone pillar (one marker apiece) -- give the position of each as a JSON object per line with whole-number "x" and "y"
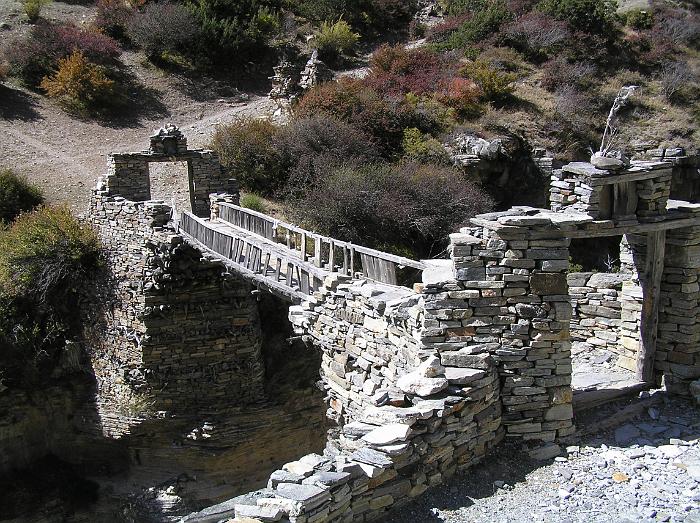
{"x": 128, "y": 177}
{"x": 520, "y": 316}
{"x": 678, "y": 346}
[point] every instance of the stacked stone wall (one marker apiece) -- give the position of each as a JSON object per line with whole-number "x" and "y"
{"x": 521, "y": 317}
{"x": 405, "y": 421}
{"x": 175, "y": 333}
{"x": 641, "y": 196}
{"x": 606, "y": 312}
{"x": 678, "y": 345}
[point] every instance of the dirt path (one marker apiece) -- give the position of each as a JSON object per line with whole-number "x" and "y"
{"x": 65, "y": 155}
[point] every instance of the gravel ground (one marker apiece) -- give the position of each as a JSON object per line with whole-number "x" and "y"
{"x": 644, "y": 470}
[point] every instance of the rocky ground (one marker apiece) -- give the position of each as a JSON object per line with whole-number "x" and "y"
{"x": 644, "y": 469}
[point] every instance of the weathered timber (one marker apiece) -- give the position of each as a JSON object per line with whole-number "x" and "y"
{"x": 651, "y": 285}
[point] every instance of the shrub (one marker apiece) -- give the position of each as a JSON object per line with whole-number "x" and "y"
{"x": 36, "y": 55}
{"x": 17, "y": 195}
{"x": 232, "y": 32}
{"x": 32, "y": 8}
{"x": 112, "y": 18}
{"x": 308, "y": 146}
{"x": 80, "y": 86}
{"x": 421, "y": 147}
{"x": 46, "y": 254}
{"x": 639, "y": 19}
{"x": 397, "y": 71}
{"x": 574, "y": 108}
{"x": 352, "y": 101}
{"x": 410, "y": 205}
{"x": 495, "y": 85}
{"x": 681, "y": 26}
{"x": 675, "y": 77}
{"x": 461, "y": 94}
{"x": 247, "y": 148}
{"x": 560, "y": 72}
{"x": 592, "y": 16}
{"x": 45, "y": 257}
{"x": 536, "y": 35}
{"x": 335, "y": 39}
{"x": 481, "y": 24}
{"x": 161, "y": 27}
{"x": 368, "y": 15}
{"x": 253, "y": 202}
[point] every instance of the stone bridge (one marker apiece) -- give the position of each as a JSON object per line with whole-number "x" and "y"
{"x": 426, "y": 366}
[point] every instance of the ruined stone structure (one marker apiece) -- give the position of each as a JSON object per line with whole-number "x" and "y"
{"x": 420, "y": 381}
{"x": 128, "y": 174}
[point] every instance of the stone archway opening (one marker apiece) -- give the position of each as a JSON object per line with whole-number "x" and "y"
{"x": 605, "y": 319}
{"x": 171, "y": 182}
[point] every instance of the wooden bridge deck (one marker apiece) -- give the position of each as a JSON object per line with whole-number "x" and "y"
{"x": 282, "y": 258}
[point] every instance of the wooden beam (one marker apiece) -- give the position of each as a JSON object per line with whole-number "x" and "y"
{"x": 651, "y": 295}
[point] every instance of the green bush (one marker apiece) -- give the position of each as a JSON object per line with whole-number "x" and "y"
{"x": 335, "y": 39}
{"x": 32, "y": 8}
{"x": 496, "y": 85}
{"x": 17, "y": 195}
{"x": 639, "y": 19}
{"x": 233, "y": 32}
{"x": 46, "y": 256}
{"x": 481, "y": 24}
{"x": 591, "y": 16}
{"x": 423, "y": 147}
{"x": 248, "y": 150}
{"x": 253, "y": 202}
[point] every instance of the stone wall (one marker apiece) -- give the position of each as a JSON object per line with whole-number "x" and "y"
{"x": 405, "y": 421}
{"x": 678, "y": 345}
{"x": 128, "y": 176}
{"x": 606, "y": 313}
{"x": 638, "y": 193}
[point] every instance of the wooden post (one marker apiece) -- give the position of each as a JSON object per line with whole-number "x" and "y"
{"x": 651, "y": 295}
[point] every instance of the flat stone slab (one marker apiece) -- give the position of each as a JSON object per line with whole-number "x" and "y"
{"x": 585, "y": 169}
{"x": 388, "y": 434}
{"x": 371, "y": 457}
{"x": 305, "y": 494}
{"x": 265, "y": 514}
{"x": 328, "y": 479}
{"x": 461, "y": 376}
{"x": 283, "y": 476}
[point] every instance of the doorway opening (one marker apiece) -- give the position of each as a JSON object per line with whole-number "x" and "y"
{"x": 171, "y": 182}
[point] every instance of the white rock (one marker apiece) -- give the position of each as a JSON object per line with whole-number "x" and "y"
{"x": 431, "y": 367}
{"x": 387, "y": 434}
{"x": 415, "y": 383}
{"x": 604, "y": 162}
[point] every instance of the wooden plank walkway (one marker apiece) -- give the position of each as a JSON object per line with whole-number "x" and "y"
{"x": 282, "y": 258}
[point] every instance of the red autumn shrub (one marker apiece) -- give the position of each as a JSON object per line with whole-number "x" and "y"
{"x": 559, "y": 72}
{"x": 360, "y": 105}
{"x": 112, "y": 17}
{"x": 396, "y": 71}
{"x": 462, "y": 94}
{"x": 36, "y": 55}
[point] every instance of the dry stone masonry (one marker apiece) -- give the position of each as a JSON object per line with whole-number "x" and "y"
{"x": 420, "y": 383}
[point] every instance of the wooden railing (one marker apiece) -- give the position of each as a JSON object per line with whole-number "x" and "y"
{"x": 262, "y": 261}
{"x": 321, "y": 251}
